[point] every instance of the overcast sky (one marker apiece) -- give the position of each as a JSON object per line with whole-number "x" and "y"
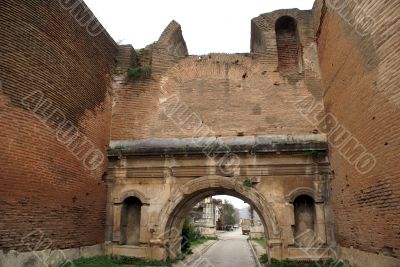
{"x": 207, "y": 25}
{"x": 238, "y": 203}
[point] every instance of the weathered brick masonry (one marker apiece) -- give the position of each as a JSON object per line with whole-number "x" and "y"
{"x": 327, "y": 56}
{"x": 230, "y": 95}
{"x": 43, "y": 185}
{"x": 360, "y": 66}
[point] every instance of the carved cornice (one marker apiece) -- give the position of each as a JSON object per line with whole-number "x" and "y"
{"x": 215, "y": 145}
{"x": 304, "y": 191}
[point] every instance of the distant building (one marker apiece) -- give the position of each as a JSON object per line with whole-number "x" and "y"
{"x": 207, "y": 216}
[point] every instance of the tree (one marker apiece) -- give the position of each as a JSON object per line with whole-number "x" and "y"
{"x": 188, "y": 235}
{"x": 237, "y": 215}
{"x": 229, "y": 213}
{"x": 251, "y": 212}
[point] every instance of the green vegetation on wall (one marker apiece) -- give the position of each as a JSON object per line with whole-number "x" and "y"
{"x": 135, "y": 73}
{"x": 247, "y": 183}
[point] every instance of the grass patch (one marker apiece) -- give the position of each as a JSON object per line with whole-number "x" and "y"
{"x": 201, "y": 240}
{"x": 108, "y": 261}
{"x": 260, "y": 241}
{"x": 290, "y": 263}
{"x": 210, "y": 237}
{"x": 197, "y": 242}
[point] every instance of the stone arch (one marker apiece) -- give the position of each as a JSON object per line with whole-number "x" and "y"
{"x": 301, "y": 191}
{"x": 172, "y": 214}
{"x": 131, "y": 193}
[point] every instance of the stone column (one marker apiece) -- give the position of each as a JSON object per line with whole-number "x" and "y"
{"x": 117, "y": 222}
{"x": 320, "y": 222}
{"x": 320, "y": 188}
{"x": 109, "y": 213}
{"x": 144, "y": 222}
{"x": 290, "y": 223}
{"x": 275, "y": 249}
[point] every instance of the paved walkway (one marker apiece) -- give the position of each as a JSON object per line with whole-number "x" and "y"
{"x": 231, "y": 250}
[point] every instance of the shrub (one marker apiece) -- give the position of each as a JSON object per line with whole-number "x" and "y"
{"x": 289, "y": 263}
{"x": 188, "y": 235}
{"x": 247, "y": 183}
{"x": 138, "y": 53}
{"x": 134, "y": 73}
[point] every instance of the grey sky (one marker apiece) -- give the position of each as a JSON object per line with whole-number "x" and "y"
{"x": 207, "y": 25}
{"x": 238, "y": 203}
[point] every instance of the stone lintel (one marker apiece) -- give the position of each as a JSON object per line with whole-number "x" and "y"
{"x": 235, "y": 144}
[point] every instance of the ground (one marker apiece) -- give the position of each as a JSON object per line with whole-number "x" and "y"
{"x": 231, "y": 250}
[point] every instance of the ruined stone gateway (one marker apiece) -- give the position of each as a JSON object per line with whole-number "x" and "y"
{"x": 106, "y": 148}
{"x": 168, "y": 177}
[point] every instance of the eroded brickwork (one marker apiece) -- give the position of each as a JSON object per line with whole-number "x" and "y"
{"x": 219, "y": 94}
{"x": 44, "y": 186}
{"x": 360, "y": 66}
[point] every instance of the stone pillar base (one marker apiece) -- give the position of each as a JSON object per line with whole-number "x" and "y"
{"x": 275, "y": 249}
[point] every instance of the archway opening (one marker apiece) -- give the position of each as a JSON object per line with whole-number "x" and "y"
{"x": 288, "y": 44}
{"x": 178, "y": 216}
{"x": 130, "y": 221}
{"x": 305, "y": 220}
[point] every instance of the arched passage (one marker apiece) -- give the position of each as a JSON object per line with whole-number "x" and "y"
{"x": 173, "y": 213}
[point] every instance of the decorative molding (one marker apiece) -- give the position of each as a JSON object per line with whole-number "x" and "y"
{"x": 131, "y": 193}
{"x": 304, "y": 191}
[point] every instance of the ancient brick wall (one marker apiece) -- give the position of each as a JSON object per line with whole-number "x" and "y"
{"x": 53, "y": 70}
{"x": 219, "y": 94}
{"x": 358, "y": 44}
{"x": 287, "y": 42}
